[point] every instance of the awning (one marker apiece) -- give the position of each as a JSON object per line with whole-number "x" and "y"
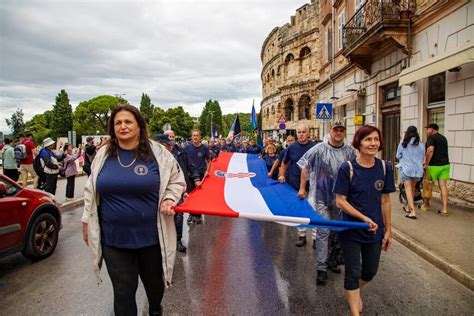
{"x": 450, "y": 59}
{"x": 345, "y": 100}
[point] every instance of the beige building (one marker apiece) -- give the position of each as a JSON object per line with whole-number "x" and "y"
{"x": 291, "y": 59}
{"x": 403, "y": 62}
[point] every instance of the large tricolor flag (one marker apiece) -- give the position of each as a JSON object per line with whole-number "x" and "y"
{"x": 238, "y": 186}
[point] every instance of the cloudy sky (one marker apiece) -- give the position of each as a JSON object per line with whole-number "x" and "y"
{"x": 179, "y": 52}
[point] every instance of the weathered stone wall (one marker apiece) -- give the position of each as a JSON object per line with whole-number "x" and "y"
{"x": 291, "y": 58}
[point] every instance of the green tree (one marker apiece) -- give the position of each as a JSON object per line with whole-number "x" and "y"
{"x": 244, "y": 119}
{"x": 181, "y": 122}
{"x": 61, "y": 120}
{"x": 91, "y": 117}
{"x": 146, "y": 107}
{"x": 212, "y": 111}
{"x": 16, "y": 123}
{"x": 40, "y": 127}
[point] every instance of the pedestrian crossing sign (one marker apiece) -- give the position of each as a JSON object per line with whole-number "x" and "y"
{"x": 324, "y": 111}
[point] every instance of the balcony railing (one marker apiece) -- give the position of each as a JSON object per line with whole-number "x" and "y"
{"x": 373, "y": 13}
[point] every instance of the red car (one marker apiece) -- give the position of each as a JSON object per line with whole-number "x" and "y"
{"x": 30, "y": 220}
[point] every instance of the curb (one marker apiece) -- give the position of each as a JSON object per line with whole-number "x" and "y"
{"x": 69, "y": 205}
{"x": 452, "y": 270}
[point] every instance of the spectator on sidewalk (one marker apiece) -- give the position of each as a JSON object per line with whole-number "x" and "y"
{"x": 50, "y": 164}
{"x": 10, "y": 168}
{"x": 437, "y": 165}
{"x": 362, "y": 189}
{"x": 293, "y": 177}
{"x": 411, "y": 154}
{"x": 26, "y": 165}
{"x": 320, "y": 165}
{"x": 70, "y": 169}
{"x": 89, "y": 154}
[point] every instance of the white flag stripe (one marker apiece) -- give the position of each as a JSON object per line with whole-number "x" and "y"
{"x": 239, "y": 193}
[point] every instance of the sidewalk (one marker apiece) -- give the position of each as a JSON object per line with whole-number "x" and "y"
{"x": 445, "y": 241}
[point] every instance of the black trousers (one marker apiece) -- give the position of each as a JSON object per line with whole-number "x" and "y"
{"x": 124, "y": 267}
{"x": 51, "y": 182}
{"x": 178, "y": 223}
{"x": 70, "y": 186}
{"x": 12, "y": 174}
{"x": 361, "y": 262}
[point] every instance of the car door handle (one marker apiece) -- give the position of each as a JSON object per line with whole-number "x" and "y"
{"x": 23, "y": 203}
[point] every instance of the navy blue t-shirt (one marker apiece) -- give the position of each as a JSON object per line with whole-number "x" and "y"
{"x": 269, "y": 163}
{"x": 364, "y": 193}
{"x": 128, "y": 205}
{"x": 254, "y": 149}
{"x": 293, "y": 153}
{"x": 199, "y": 157}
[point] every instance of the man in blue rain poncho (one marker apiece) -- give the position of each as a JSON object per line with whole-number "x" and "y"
{"x": 320, "y": 165}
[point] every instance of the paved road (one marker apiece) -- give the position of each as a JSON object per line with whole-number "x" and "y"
{"x": 233, "y": 267}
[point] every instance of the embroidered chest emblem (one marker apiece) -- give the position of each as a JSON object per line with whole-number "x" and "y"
{"x": 141, "y": 170}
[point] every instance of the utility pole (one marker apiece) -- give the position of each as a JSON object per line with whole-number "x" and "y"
{"x": 212, "y": 133}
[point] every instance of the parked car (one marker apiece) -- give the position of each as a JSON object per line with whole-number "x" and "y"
{"x": 30, "y": 221}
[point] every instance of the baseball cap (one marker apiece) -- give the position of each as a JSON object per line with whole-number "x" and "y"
{"x": 89, "y": 138}
{"x": 433, "y": 126}
{"x": 338, "y": 124}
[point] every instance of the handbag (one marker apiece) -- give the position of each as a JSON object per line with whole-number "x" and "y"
{"x": 62, "y": 172}
{"x": 427, "y": 188}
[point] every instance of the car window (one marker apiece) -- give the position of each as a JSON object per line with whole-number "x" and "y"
{"x": 11, "y": 189}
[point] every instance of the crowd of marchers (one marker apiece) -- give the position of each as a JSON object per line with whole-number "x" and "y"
{"x": 135, "y": 181}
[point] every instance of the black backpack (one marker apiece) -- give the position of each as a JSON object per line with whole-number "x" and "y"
{"x": 38, "y": 166}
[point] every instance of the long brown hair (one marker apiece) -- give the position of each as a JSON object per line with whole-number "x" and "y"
{"x": 143, "y": 151}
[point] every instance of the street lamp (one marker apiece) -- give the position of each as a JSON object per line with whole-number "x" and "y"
{"x": 212, "y": 133}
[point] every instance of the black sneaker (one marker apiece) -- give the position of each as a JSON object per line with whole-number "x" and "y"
{"x": 197, "y": 220}
{"x": 301, "y": 241}
{"x": 190, "y": 219}
{"x": 180, "y": 247}
{"x": 321, "y": 278}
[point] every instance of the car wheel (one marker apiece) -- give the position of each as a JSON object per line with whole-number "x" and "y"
{"x": 42, "y": 237}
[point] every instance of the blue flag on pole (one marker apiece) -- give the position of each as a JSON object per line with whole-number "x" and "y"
{"x": 235, "y": 128}
{"x": 254, "y": 126}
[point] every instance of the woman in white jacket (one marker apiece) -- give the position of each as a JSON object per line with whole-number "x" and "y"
{"x": 128, "y": 216}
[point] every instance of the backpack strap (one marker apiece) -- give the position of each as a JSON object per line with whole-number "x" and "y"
{"x": 351, "y": 171}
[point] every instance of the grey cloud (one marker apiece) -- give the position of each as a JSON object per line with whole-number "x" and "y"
{"x": 178, "y": 52}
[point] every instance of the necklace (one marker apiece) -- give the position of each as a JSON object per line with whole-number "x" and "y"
{"x": 125, "y": 166}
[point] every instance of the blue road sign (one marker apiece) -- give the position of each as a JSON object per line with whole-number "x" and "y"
{"x": 324, "y": 111}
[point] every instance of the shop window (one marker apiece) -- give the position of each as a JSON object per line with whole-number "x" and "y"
{"x": 437, "y": 88}
{"x": 436, "y": 115}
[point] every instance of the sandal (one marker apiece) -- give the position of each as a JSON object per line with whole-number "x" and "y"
{"x": 443, "y": 213}
{"x": 410, "y": 216}
{"x": 424, "y": 208}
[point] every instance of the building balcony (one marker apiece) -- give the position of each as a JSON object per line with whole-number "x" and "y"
{"x": 378, "y": 27}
